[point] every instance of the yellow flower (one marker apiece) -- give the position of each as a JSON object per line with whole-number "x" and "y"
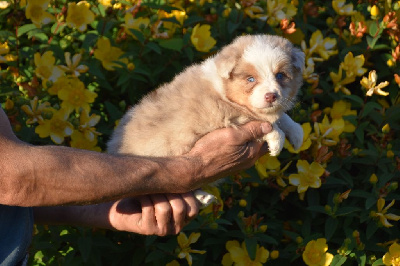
{"x": 57, "y": 127}
{"x": 238, "y": 255}
{"x": 4, "y": 4}
{"x": 323, "y": 46}
{"x": 315, "y": 253}
{"x": 4, "y": 56}
{"x": 87, "y": 123}
{"x": 342, "y": 9}
{"x": 75, "y": 96}
{"x": 370, "y": 84}
{"x": 35, "y": 110}
{"x": 106, "y": 2}
{"x": 36, "y": 11}
{"x": 256, "y": 12}
{"x": 308, "y": 176}
{"x": 138, "y": 24}
{"x": 79, "y": 15}
{"x": 108, "y": 55}
{"x": 353, "y": 65}
{"x": 73, "y": 66}
{"x": 173, "y": 263}
{"x": 342, "y": 108}
{"x": 166, "y": 29}
{"x": 278, "y": 10}
{"x": 45, "y": 68}
{"x": 201, "y": 38}
{"x": 340, "y": 82}
{"x": 331, "y": 130}
{"x": 382, "y": 214}
{"x": 392, "y": 257}
{"x": 306, "y": 140}
{"x": 184, "y": 244}
{"x": 269, "y": 167}
{"x": 79, "y": 141}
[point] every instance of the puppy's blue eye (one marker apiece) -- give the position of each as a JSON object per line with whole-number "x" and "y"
{"x": 279, "y": 76}
{"x": 251, "y": 79}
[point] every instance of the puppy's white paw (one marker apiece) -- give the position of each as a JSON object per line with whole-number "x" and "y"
{"x": 275, "y": 140}
{"x": 275, "y": 147}
{"x": 295, "y": 136}
{"x": 204, "y": 198}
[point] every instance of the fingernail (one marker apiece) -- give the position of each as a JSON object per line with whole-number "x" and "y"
{"x": 266, "y": 128}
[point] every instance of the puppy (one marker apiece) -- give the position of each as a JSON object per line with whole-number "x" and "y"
{"x": 256, "y": 77}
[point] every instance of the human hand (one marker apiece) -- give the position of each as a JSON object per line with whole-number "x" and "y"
{"x": 159, "y": 214}
{"x": 228, "y": 150}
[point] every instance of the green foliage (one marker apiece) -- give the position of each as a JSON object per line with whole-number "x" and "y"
{"x": 352, "y": 136}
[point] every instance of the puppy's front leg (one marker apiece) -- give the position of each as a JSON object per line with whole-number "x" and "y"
{"x": 292, "y": 130}
{"x": 275, "y": 140}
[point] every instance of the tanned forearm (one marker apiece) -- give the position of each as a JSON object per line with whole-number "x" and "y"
{"x": 53, "y": 175}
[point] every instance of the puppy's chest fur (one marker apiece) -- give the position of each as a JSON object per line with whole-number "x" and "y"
{"x": 171, "y": 119}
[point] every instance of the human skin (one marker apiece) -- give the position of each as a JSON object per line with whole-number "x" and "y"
{"x": 56, "y": 175}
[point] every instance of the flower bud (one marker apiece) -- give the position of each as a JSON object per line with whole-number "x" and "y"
{"x": 386, "y": 128}
{"x": 263, "y": 228}
{"x": 373, "y": 179}
{"x": 9, "y": 104}
{"x": 274, "y": 254}
{"x": 243, "y": 203}
{"x": 374, "y": 11}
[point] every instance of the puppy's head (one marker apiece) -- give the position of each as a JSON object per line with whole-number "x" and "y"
{"x": 261, "y": 73}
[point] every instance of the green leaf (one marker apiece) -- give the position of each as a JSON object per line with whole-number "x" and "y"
{"x": 360, "y": 131}
{"x": 251, "y": 246}
{"x": 338, "y": 260}
{"x": 85, "y": 247}
{"x": 369, "y": 107}
{"x": 138, "y": 34}
{"x": 371, "y": 229}
{"x": 154, "y": 46}
{"x": 372, "y": 41}
{"x": 374, "y": 29}
{"x": 319, "y": 209}
{"x": 155, "y": 255}
{"x": 113, "y": 111}
{"x": 378, "y": 262}
{"x": 25, "y": 28}
{"x": 330, "y": 227}
{"x": 346, "y": 210}
{"x": 175, "y": 44}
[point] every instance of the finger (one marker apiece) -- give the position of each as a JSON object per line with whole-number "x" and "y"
{"x": 163, "y": 214}
{"x": 178, "y": 211}
{"x": 147, "y": 224}
{"x": 192, "y": 205}
{"x": 255, "y": 130}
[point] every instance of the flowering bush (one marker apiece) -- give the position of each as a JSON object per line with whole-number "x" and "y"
{"x": 69, "y": 70}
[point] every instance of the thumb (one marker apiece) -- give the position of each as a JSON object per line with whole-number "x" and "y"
{"x": 255, "y": 130}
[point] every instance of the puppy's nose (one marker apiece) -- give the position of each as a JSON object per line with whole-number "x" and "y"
{"x": 270, "y": 97}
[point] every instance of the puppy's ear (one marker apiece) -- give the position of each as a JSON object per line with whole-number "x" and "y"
{"x": 230, "y": 55}
{"x": 298, "y": 58}
{"x": 226, "y": 60}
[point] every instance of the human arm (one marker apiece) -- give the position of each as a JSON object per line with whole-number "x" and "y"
{"x": 56, "y": 175}
{"x": 158, "y": 214}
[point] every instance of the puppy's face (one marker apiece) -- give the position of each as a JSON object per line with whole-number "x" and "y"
{"x": 261, "y": 73}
